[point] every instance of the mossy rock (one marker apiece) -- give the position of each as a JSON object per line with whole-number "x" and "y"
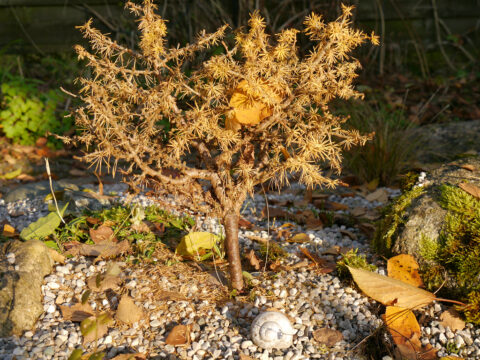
{"x": 439, "y": 224}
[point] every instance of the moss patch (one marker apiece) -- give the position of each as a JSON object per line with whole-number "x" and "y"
{"x": 353, "y": 259}
{"x": 393, "y": 218}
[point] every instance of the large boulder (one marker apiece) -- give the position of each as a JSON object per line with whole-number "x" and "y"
{"x": 438, "y": 223}
{"x": 20, "y": 285}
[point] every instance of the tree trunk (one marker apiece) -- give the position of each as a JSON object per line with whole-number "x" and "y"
{"x": 230, "y": 222}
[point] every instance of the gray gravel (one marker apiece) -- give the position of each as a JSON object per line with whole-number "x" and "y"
{"x": 311, "y": 300}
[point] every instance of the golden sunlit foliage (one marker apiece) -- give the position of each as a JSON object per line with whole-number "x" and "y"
{"x": 253, "y": 113}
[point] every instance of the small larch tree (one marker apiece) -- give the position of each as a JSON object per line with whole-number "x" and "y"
{"x": 209, "y": 133}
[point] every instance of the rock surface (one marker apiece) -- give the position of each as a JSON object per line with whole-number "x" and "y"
{"x": 21, "y": 278}
{"x": 425, "y": 217}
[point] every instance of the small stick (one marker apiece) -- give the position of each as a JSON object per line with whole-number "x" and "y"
{"x": 47, "y": 165}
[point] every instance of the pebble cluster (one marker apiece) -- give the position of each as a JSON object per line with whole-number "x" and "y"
{"x": 311, "y": 300}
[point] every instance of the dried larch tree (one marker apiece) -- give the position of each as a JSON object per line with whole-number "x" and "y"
{"x": 210, "y": 134}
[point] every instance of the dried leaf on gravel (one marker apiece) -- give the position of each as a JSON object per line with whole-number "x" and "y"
{"x": 127, "y": 311}
{"x": 451, "y": 358}
{"x": 380, "y": 195}
{"x": 192, "y": 243}
{"x": 390, "y": 291}
{"x": 253, "y": 260}
{"x": 358, "y": 211}
{"x": 452, "y": 319}
{"x": 299, "y": 238}
{"x": 405, "y": 330}
{"x": 77, "y": 312}
{"x": 367, "y": 228}
{"x": 471, "y": 189}
{"x": 136, "y": 356}
{"x": 56, "y": 256}
{"x": 179, "y": 335}
{"x": 103, "y": 283}
{"x": 350, "y": 234}
{"x": 101, "y": 234}
{"x": 165, "y": 295}
{"x": 245, "y": 357}
{"x": 468, "y": 167}
{"x": 103, "y": 250}
{"x": 95, "y": 327}
{"x": 244, "y": 224}
{"x": 275, "y": 212}
{"x": 327, "y": 336}
{"x": 405, "y": 268}
{"x": 322, "y": 264}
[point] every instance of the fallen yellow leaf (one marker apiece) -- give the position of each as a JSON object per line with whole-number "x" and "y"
{"x": 194, "y": 241}
{"x": 8, "y": 230}
{"x": 405, "y": 330}
{"x": 390, "y": 291}
{"x": 404, "y": 267}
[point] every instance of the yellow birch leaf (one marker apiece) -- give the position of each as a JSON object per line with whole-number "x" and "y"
{"x": 405, "y": 330}
{"x": 193, "y": 242}
{"x": 390, "y": 291}
{"x": 404, "y": 267}
{"x": 8, "y": 230}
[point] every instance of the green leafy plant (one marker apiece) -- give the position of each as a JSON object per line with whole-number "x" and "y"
{"x": 27, "y": 113}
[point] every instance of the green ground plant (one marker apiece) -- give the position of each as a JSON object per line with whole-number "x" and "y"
{"x": 355, "y": 260}
{"x": 26, "y": 113}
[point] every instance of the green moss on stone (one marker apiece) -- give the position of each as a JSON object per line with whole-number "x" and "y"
{"x": 394, "y": 217}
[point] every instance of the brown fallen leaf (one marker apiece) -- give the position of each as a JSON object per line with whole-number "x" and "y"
{"x": 471, "y": 189}
{"x": 350, "y": 234}
{"x": 141, "y": 227}
{"x": 77, "y": 312}
{"x": 127, "y": 311}
{"x": 245, "y": 357}
{"x": 137, "y": 356}
{"x": 327, "y": 336}
{"x": 104, "y": 282}
{"x": 95, "y": 327}
{"x": 388, "y": 291}
{"x": 275, "y": 212}
{"x": 468, "y": 167}
{"x": 329, "y": 205}
{"x": 323, "y": 265}
{"x": 380, "y": 195}
{"x": 451, "y": 358}
{"x": 103, "y": 250}
{"x": 314, "y": 224}
{"x": 299, "y": 238}
{"x": 101, "y": 234}
{"x": 244, "y": 224}
{"x": 179, "y": 335}
{"x": 452, "y": 319}
{"x": 93, "y": 221}
{"x": 56, "y": 256}
{"x": 404, "y": 267}
{"x": 253, "y": 260}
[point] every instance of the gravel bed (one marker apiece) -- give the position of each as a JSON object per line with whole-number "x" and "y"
{"x": 311, "y": 300}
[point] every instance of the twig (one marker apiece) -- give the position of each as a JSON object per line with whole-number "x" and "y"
{"x": 268, "y": 229}
{"x": 47, "y": 165}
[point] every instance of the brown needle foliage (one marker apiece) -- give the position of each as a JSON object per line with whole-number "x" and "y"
{"x": 253, "y": 114}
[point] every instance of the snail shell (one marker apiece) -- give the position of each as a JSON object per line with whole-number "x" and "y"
{"x": 272, "y": 330}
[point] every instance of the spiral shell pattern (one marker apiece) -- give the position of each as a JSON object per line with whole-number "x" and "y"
{"x": 272, "y": 330}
